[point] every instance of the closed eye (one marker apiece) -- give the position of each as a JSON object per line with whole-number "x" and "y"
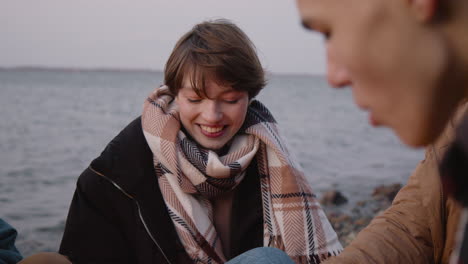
{"x": 317, "y": 27}
{"x": 306, "y": 26}
{"x": 194, "y": 100}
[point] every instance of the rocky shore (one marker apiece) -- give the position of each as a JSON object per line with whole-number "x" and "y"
{"x": 347, "y": 223}
{"x": 346, "y": 218}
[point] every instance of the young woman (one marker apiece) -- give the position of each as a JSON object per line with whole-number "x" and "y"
{"x": 203, "y": 175}
{"x": 407, "y": 64}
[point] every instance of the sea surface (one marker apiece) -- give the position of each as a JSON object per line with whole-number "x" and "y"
{"x": 53, "y": 123}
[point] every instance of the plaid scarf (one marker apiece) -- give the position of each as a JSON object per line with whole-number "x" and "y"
{"x": 189, "y": 176}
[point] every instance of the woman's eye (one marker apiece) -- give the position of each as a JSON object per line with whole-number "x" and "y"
{"x": 194, "y": 100}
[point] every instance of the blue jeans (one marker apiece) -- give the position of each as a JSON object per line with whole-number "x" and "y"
{"x": 8, "y": 252}
{"x": 262, "y": 255}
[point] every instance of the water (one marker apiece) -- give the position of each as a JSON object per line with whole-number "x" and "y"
{"x": 53, "y": 123}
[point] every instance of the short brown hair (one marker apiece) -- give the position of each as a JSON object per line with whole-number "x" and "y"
{"x": 216, "y": 50}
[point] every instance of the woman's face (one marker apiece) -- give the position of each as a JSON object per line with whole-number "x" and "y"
{"x": 212, "y": 122}
{"x": 395, "y": 64}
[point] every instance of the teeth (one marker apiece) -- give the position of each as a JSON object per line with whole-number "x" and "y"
{"x": 211, "y": 129}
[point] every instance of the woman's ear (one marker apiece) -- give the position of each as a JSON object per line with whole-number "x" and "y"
{"x": 424, "y": 10}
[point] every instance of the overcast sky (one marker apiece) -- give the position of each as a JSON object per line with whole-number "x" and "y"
{"x": 141, "y": 33}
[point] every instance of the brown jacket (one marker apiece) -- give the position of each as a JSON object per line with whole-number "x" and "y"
{"x": 420, "y": 225}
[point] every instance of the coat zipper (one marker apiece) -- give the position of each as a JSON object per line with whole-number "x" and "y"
{"x": 138, "y": 207}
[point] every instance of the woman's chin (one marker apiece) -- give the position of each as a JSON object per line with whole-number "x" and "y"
{"x": 417, "y": 137}
{"x": 212, "y": 144}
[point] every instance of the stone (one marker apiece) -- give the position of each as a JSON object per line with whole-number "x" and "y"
{"x": 333, "y": 197}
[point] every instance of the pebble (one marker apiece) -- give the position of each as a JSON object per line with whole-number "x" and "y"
{"x": 333, "y": 197}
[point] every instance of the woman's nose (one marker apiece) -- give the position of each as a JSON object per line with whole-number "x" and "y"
{"x": 212, "y": 112}
{"x": 337, "y": 75}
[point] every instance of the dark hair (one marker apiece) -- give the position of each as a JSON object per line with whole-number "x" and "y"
{"x": 215, "y": 50}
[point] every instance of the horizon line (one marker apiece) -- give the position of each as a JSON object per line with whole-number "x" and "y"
{"x": 118, "y": 69}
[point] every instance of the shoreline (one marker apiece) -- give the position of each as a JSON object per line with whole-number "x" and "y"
{"x": 349, "y": 222}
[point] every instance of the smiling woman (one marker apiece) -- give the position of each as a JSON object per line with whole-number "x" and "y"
{"x": 203, "y": 175}
{"x": 214, "y": 119}
{"x": 213, "y": 71}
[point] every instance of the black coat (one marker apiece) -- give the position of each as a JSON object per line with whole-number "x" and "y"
{"x": 118, "y": 214}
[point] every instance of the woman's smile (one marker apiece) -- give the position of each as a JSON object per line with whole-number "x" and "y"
{"x": 212, "y": 131}
{"x": 213, "y": 120}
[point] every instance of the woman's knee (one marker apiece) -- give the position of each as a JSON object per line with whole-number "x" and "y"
{"x": 262, "y": 255}
{"x": 46, "y": 257}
